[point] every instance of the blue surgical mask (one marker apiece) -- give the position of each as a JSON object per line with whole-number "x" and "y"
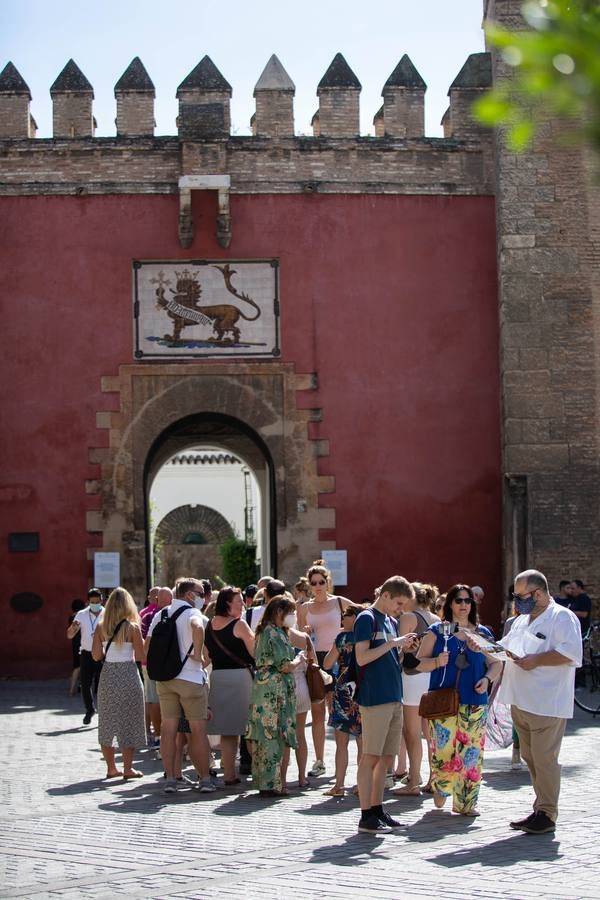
{"x": 525, "y": 605}
{"x": 95, "y": 607}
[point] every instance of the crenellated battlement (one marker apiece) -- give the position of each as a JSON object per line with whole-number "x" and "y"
{"x": 399, "y": 158}
{"x": 204, "y": 101}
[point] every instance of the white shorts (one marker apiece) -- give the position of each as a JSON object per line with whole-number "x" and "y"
{"x": 413, "y": 687}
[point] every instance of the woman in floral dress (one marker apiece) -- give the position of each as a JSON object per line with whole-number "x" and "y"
{"x": 345, "y": 714}
{"x": 457, "y": 742}
{"x": 272, "y": 721}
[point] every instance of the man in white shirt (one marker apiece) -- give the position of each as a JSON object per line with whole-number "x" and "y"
{"x": 86, "y": 621}
{"x": 539, "y": 683}
{"x": 189, "y": 690}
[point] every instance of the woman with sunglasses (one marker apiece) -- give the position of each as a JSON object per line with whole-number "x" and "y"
{"x": 320, "y": 618}
{"x": 457, "y": 741}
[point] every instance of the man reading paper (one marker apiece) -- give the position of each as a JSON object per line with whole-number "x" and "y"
{"x": 539, "y": 684}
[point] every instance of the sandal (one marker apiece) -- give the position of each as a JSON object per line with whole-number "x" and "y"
{"x": 335, "y": 791}
{"x": 304, "y": 784}
{"x": 472, "y": 812}
{"x": 427, "y": 789}
{"x": 134, "y": 773}
{"x": 398, "y": 776}
{"x": 407, "y": 791}
{"x": 115, "y": 774}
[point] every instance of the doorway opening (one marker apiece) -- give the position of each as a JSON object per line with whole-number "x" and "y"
{"x": 208, "y": 477}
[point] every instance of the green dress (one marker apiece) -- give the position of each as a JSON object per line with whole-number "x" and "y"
{"x": 272, "y": 720}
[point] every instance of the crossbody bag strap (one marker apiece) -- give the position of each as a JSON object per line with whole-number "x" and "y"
{"x": 114, "y": 634}
{"x": 233, "y": 656}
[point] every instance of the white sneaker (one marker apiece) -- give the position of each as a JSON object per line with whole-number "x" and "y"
{"x": 389, "y": 781}
{"x": 317, "y": 769}
{"x": 516, "y": 761}
{"x": 205, "y": 786}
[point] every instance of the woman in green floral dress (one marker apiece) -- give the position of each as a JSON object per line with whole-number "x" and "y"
{"x": 272, "y": 721}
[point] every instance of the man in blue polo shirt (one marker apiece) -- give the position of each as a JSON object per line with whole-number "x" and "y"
{"x": 379, "y": 690}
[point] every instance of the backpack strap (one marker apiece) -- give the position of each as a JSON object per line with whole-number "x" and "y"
{"x": 165, "y": 615}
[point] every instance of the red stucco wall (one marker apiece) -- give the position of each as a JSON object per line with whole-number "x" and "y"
{"x": 391, "y": 300}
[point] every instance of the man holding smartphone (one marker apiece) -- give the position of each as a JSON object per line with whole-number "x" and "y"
{"x": 379, "y": 694}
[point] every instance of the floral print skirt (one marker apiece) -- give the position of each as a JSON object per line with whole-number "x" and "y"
{"x": 457, "y": 755}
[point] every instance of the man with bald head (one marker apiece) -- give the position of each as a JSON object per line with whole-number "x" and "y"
{"x": 163, "y": 597}
{"x": 544, "y": 644}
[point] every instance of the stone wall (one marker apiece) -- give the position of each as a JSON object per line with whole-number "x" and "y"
{"x": 548, "y": 238}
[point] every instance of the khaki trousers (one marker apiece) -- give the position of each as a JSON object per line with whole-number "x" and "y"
{"x": 540, "y": 738}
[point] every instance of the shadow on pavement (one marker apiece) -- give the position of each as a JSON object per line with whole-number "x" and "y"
{"x": 510, "y": 851}
{"x": 356, "y": 850}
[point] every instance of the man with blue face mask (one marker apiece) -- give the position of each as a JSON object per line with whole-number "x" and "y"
{"x": 86, "y": 621}
{"x": 539, "y": 683}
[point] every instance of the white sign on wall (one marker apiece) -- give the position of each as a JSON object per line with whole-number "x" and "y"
{"x": 337, "y": 563}
{"x": 107, "y": 570}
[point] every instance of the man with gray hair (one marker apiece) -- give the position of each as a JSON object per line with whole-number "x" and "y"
{"x": 544, "y": 645}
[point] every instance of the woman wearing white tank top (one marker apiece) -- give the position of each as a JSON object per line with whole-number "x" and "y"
{"x": 321, "y": 618}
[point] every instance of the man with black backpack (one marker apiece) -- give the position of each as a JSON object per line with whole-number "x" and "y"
{"x": 174, "y": 659}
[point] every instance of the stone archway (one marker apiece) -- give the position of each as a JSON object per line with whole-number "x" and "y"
{"x": 261, "y": 399}
{"x": 187, "y": 542}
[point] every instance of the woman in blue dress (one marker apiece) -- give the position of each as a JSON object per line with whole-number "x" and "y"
{"x": 345, "y": 715}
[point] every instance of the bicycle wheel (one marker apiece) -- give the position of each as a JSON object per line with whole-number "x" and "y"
{"x": 587, "y": 695}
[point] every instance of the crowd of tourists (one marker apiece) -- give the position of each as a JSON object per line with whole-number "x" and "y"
{"x": 239, "y": 670}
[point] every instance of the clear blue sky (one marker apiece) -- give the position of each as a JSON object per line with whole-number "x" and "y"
{"x": 103, "y": 36}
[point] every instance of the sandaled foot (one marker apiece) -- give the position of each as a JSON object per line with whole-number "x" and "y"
{"x": 335, "y": 791}
{"x": 407, "y": 790}
{"x": 115, "y": 774}
{"x": 427, "y": 788}
{"x": 472, "y": 812}
{"x": 439, "y": 800}
{"x": 133, "y": 773}
{"x": 398, "y": 776}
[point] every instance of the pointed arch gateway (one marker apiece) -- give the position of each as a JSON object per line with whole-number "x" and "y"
{"x": 249, "y": 409}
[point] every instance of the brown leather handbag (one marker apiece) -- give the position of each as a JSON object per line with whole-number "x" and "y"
{"x": 439, "y": 704}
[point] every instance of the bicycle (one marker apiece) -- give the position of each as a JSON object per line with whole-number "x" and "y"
{"x": 587, "y": 694}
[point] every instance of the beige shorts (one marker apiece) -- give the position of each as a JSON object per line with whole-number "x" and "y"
{"x": 179, "y": 694}
{"x": 381, "y": 729}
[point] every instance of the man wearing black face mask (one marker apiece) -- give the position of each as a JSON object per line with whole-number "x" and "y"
{"x": 539, "y": 681}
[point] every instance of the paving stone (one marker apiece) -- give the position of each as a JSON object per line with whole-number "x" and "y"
{"x": 65, "y": 833}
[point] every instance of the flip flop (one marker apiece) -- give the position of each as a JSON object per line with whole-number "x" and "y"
{"x": 334, "y": 792}
{"x": 133, "y": 774}
{"x": 398, "y": 776}
{"x": 114, "y": 775}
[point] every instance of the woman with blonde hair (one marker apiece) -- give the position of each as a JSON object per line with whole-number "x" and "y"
{"x": 320, "y": 618}
{"x": 118, "y": 640}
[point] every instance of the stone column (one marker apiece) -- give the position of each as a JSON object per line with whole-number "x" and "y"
{"x": 72, "y": 96}
{"x": 15, "y": 96}
{"x": 339, "y": 100}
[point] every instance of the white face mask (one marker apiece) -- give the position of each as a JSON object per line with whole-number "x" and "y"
{"x": 198, "y": 601}
{"x": 290, "y": 620}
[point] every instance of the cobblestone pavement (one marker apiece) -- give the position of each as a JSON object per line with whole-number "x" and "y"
{"x": 64, "y": 832}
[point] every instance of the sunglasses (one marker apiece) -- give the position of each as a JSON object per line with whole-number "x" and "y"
{"x": 460, "y": 601}
{"x": 315, "y": 583}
